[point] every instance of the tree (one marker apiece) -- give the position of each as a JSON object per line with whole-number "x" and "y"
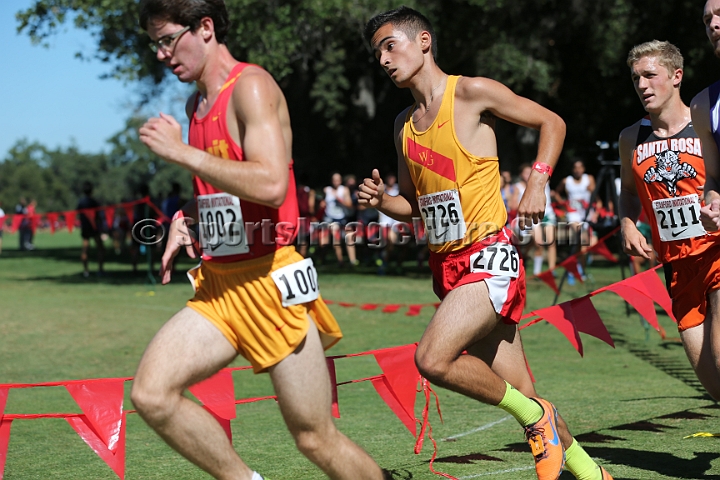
{"x": 568, "y": 55}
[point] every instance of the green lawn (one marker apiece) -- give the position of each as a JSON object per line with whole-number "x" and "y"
{"x": 630, "y": 406}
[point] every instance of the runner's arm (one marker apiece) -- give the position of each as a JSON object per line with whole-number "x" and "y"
{"x": 496, "y": 98}
{"x": 633, "y": 242}
{"x": 263, "y": 176}
{"x": 700, "y": 109}
{"x": 371, "y": 192}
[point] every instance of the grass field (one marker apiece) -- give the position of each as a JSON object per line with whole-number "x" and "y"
{"x": 630, "y": 406}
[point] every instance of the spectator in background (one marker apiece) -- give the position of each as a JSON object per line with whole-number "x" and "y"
{"x": 2, "y": 224}
{"x": 25, "y": 227}
{"x": 509, "y": 192}
{"x": 578, "y": 189}
{"x": 306, "y": 207}
{"x": 544, "y": 233}
{"x": 169, "y": 207}
{"x": 387, "y": 224}
{"x": 140, "y": 212}
{"x": 337, "y": 209}
{"x": 90, "y": 229}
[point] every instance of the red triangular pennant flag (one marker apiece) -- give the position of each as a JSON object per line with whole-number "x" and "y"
{"x": 548, "y": 277}
{"x": 116, "y": 460}
{"x": 392, "y": 308}
{"x": 414, "y": 310}
{"x": 3, "y": 400}
{"x": 571, "y": 265}
{"x": 650, "y": 284}
{"x": 346, "y": 304}
{"x": 385, "y": 391}
{"x": 109, "y": 216}
{"x": 130, "y": 213}
{"x": 35, "y": 222}
{"x": 224, "y": 423}
{"x": 643, "y": 304}
{"x": 16, "y": 221}
{"x": 587, "y": 320}
{"x": 70, "y": 219}
{"x": 89, "y": 214}
{"x": 102, "y": 403}
{"x": 369, "y": 306}
{"x": 562, "y": 318}
{"x": 333, "y": 387}
{"x": 52, "y": 220}
{"x": 217, "y": 393}
{"x": 602, "y": 249}
{"x": 401, "y": 375}
{"x": 5, "y": 426}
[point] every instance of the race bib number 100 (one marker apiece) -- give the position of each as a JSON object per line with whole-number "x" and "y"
{"x": 500, "y": 260}
{"x": 222, "y": 231}
{"x": 443, "y": 216}
{"x": 678, "y": 218}
{"x": 297, "y": 282}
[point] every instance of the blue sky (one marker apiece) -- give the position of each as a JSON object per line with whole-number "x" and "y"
{"x": 51, "y": 97}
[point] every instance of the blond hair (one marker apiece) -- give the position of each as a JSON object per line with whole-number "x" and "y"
{"x": 668, "y": 55}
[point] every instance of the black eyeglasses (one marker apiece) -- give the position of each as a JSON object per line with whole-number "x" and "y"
{"x": 166, "y": 42}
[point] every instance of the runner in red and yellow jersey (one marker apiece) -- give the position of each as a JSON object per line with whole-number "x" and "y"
{"x": 255, "y": 296}
{"x": 449, "y": 176}
{"x": 663, "y": 174}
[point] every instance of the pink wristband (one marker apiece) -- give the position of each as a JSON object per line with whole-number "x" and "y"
{"x": 178, "y": 214}
{"x": 542, "y": 168}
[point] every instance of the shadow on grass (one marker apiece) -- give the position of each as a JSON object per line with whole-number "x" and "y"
{"x": 659, "y": 462}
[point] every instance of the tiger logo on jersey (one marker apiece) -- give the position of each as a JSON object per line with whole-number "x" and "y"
{"x": 669, "y": 171}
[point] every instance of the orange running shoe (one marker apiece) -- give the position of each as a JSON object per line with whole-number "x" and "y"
{"x": 545, "y": 443}
{"x": 605, "y": 474}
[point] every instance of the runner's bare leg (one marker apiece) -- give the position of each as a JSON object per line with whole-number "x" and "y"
{"x": 186, "y": 350}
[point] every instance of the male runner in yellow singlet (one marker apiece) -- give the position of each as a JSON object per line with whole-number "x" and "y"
{"x": 254, "y": 296}
{"x": 448, "y": 174}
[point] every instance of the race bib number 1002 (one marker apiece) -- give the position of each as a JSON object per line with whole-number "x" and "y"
{"x": 500, "y": 260}
{"x": 678, "y": 218}
{"x": 222, "y": 231}
{"x": 297, "y": 282}
{"x": 443, "y": 216}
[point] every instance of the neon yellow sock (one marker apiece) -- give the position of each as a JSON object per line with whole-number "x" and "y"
{"x": 579, "y": 463}
{"x": 524, "y": 410}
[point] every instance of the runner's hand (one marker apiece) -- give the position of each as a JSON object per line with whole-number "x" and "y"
{"x": 371, "y": 191}
{"x": 532, "y": 206}
{"x": 178, "y": 237}
{"x": 634, "y": 242}
{"x": 163, "y": 135}
{"x": 710, "y": 216}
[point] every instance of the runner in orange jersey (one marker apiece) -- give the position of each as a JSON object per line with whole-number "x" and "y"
{"x": 255, "y": 296}
{"x": 448, "y": 175}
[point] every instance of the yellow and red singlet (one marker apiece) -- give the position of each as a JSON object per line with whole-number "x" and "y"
{"x": 231, "y": 229}
{"x": 458, "y": 192}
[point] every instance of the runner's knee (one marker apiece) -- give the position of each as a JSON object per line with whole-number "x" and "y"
{"x": 430, "y": 365}
{"x": 313, "y": 442}
{"x": 152, "y": 403}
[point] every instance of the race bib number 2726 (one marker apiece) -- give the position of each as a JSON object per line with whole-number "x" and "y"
{"x": 443, "y": 216}
{"x": 500, "y": 260}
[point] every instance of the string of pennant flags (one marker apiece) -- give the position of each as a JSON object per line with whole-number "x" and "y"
{"x": 101, "y": 425}
{"x": 71, "y": 216}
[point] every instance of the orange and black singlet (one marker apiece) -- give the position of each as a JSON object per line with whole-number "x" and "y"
{"x": 668, "y": 172}
{"x": 231, "y": 229}
{"x": 458, "y": 192}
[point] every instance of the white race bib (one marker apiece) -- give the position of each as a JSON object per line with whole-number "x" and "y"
{"x": 678, "y": 218}
{"x": 443, "y": 216}
{"x": 297, "y": 282}
{"x": 222, "y": 230}
{"x": 499, "y": 259}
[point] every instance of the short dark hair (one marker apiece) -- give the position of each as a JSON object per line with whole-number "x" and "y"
{"x": 188, "y": 13}
{"x": 406, "y": 19}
